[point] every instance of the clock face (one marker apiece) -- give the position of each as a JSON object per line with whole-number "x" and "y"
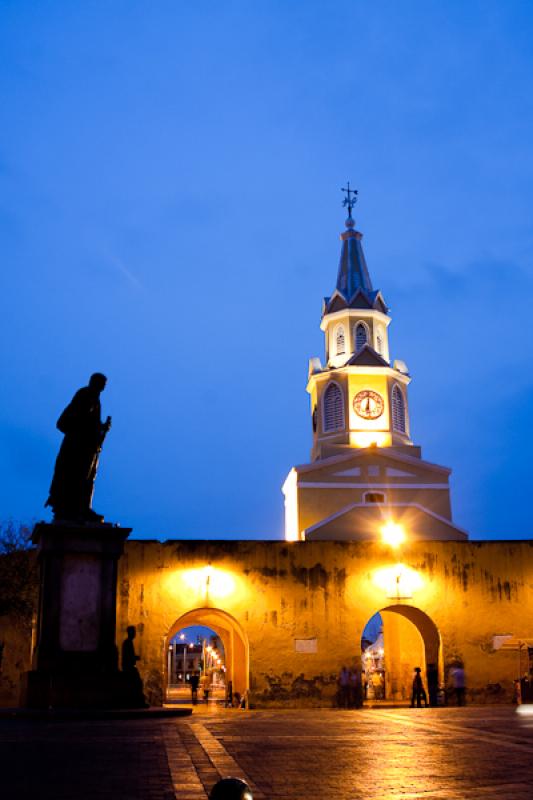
{"x": 368, "y": 404}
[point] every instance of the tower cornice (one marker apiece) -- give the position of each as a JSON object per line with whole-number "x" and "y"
{"x": 356, "y": 313}
{"x": 372, "y": 372}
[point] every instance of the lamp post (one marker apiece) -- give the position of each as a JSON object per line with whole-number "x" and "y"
{"x": 169, "y": 663}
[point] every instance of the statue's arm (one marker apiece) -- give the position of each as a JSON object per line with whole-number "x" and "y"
{"x": 76, "y": 410}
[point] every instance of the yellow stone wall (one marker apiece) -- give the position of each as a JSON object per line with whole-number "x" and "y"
{"x": 321, "y": 594}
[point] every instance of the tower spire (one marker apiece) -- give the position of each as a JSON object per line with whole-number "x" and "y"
{"x": 353, "y": 272}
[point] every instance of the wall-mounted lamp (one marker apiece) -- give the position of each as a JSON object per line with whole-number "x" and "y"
{"x": 393, "y": 534}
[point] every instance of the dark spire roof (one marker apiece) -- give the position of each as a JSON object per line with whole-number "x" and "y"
{"x": 353, "y": 271}
{"x": 354, "y": 287}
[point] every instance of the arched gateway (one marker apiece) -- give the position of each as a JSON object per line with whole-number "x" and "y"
{"x": 407, "y": 638}
{"x": 234, "y": 640}
{"x": 289, "y": 613}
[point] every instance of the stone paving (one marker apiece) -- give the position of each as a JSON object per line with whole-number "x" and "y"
{"x": 435, "y": 754}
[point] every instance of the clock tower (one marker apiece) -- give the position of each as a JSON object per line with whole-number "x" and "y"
{"x": 364, "y": 466}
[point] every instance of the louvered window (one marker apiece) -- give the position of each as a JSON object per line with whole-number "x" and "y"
{"x": 333, "y": 408}
{"x": 361, "y": 336}
{"x": 341, "y": 346}
{"x": 398, "y": 410}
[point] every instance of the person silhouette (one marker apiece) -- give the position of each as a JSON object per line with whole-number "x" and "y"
{"x": 419, "y": 693}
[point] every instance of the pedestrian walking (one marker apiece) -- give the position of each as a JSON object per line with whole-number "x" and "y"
{"x": 355, "y": 689}
{"x": 206, "y": 686}
{"x": 459, "y": 683}
{"x": 432, "y": 677}
{"x": 194, "y": 681}
{"x": 344, "y": 688}
{"x": 229, "y": 695}
{"x": 419, "y": 693}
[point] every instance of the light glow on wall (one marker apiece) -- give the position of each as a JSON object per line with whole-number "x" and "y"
{"x": 398, "y": 582}
{"x": 209, "y": 581}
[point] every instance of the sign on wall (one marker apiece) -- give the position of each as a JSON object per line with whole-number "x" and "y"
{"x": 306, "y": 645}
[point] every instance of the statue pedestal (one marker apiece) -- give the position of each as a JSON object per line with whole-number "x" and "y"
{"x": 75, "y": 662}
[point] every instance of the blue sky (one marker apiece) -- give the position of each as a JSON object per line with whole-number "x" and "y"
{"x": 169, "y": 215}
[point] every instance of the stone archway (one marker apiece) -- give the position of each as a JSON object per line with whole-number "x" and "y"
{"x": 234, "y": 640}
{"x": 410, "y": 639}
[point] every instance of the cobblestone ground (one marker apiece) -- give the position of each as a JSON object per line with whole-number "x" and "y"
{"x": 452, "y": 754}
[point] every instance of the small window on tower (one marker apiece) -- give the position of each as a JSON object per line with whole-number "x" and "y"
{"x": 398, "y": 409}
{"x": 333, "y": 407}
{"x": 361, "y": 335}
{"x": 373, "y": 497}
{"x": 341, "y": 345}
{"x": 379, "y": 342}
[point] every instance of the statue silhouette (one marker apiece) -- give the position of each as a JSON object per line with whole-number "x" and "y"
{"x": 129, "y": 659}
{"x": 72, "y": 486}
{"x": 130, "y": 671}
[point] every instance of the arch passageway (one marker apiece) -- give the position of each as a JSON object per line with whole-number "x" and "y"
{"x": 234, "y": 640}
{"x": 408, "y": 638}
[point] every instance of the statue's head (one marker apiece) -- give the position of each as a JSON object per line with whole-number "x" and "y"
{"x": 97, "y": 382}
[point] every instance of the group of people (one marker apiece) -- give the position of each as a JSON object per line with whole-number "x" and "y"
{"x": 350, "y": 690}
{"x": 419, "y": 696}
{"x": 196, "y": 682}
{"x": 232, "y": 699}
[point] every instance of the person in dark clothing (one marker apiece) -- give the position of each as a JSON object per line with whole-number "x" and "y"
{"x": 344, "y": 688}
{"x": 229, "y": 694}
{"x": 419, "y": 693}
{"x": 194, "y": 680}
{"x": 432, "y": 676}
{"x": 355, "y": 689}
{"x": 71, "y": 491}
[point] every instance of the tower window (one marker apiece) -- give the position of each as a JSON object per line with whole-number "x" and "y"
{"x": 373, "y": 497}
{"x": 333, "y": 408}
{"x": 340, "y": 341}
{"x": 398, "y": 409}
{"x": 379, "y": 343}
{"x": 360, "y": 335}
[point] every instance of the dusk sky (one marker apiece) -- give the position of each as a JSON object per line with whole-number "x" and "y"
{"x": 170, "y": 215}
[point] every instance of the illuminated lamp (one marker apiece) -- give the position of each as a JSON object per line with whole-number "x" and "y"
{"x": 393, "y": 534}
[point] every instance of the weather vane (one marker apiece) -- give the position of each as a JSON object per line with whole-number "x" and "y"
{"x": 350, "y": 200}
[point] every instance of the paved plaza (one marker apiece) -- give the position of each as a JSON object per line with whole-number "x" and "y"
{"x": 452, "y": 753}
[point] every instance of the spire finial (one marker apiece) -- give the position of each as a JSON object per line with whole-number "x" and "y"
{"x": 349, "y": 201}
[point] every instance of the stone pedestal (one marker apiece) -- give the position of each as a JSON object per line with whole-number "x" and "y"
{"x": 75, "y": 662}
